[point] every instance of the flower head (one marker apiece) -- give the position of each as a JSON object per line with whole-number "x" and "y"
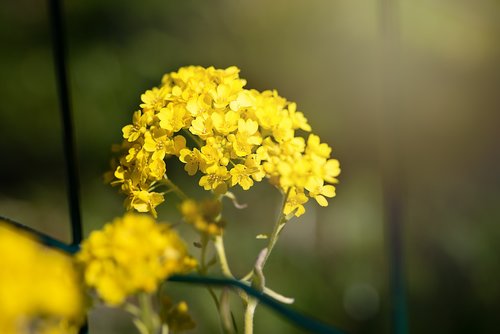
{"x": 240, "y": 136}
{"x": 130, "y": 255}
{"x": 40, "y": 288}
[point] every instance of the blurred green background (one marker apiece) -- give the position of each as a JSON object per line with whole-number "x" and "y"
{"x": 406, "y": 92}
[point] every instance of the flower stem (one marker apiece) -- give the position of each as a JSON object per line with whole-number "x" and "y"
{"x": 193, "y": 137}
{"x": 202, "y": 271}
{"x": 175, "y": 188}
{"x": 278, "y": 226}
{"x": 147, "y": 313}
{"x": 252, "y": 303}
{"x": 219, "y": 247}
{"x": 249, "y": 313}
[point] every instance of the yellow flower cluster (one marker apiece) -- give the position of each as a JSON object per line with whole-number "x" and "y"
{"x": 176, "y": 316}
{"x": 130, "y": 255}
{"x": 39, "y": 287}
{"x": 205, "y": 216}
{"x": 239, "y": 136}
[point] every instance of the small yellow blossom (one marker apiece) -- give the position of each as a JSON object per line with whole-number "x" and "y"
{"x": 156, "y": 142}
{"x": 215, "y": 179}
{"x": 157, "y": 169}
{"x": 204, "y": 215}
{"x": 154, "y": 99}
{"x": 314, "y": 147}
{"x": 225, "y": 123}
{"x": 298, "y": 119}
{"x": 144, "y": 201}
{"x": 211, "y": 154}
{"x": 294, "y": 203}
{"x": 173, "y": 117}
{"x": 193, "y": 160}
{"x": 176, "y": 316}
{"x": 130, "y": 255}
{"x": 318, "y": 190}
{"x": 202, "y": 126}
{"x": 240, "y": 174}
{"x": 133, "y": 131}
{"x": 330, "y": 170}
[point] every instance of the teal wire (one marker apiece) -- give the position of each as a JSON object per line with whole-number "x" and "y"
{"x": 303, "y": 321}
{"x": 43, "y": 238}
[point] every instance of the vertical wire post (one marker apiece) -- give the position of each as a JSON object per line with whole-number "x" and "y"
{"x": 58, "y": 46}
{"x": 73, "y": 189}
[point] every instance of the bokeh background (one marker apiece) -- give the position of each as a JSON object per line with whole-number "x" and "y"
{"x": 407, "y": 93}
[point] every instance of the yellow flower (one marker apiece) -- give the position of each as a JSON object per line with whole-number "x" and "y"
{"x": 314, "y": 147}
{"x": 40, "y": 289}
{"x": 246, "y": 137}
{"x": 157, "y": 169}
{"x": 193, "y": 160}
{"x": 240, "y": 174}
{"x": 204, "y": 215}
{"x": 244, "y": 100}
{"x": 225, "y": 123}
{"x": 202, "y": 126}
{"x": 215, "y": 179}
{"x": 176, "y": 145}
{"x": 211, "y": 154}
{"x": 137, "y": 128}
{"x": 283, "y": 130}
{"x": 221, "y": 96}
{"x": 294, "y": 203}
{"x": 130, "y": 255}
{"x": 156, "y": 142}
{"x": 254, "y": 167}
{"x": 154, "y": 99}
{"x": 330, "y": 170}
{"x": 318, "y": 190}
{"x": 175, "y": 316}
{"x": 173, "y": 117}
{"x": 298, "y": 119}
{"x": 144, "y": 201}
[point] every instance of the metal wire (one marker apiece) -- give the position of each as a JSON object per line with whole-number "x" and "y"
{"x": 73, "y": 188}
{"x": 43, "y": 238}
{"x": 302, "y": 321}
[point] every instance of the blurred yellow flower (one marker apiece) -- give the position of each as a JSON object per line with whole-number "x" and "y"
{"x": 40, "y": 289}
{"x": 130, "y": 255}
{"x": 204, "y": 215}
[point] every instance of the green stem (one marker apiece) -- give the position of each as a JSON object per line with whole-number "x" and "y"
{"x": 278, "y": 226}
{"x": 252, "y": 303}
{"x": 147, "y": 313}
{"x": 202, "y": 271}
{"x": 175, "y": 188}
{"x": 221, "y": 253}
{"x": 249, "y": 313}
{"x": 197, "y": 140}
